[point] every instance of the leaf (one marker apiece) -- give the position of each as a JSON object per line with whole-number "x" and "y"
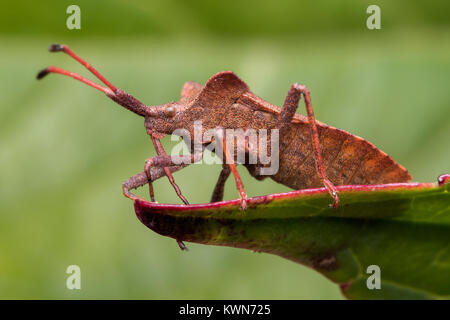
{"x": 402, "y": 228}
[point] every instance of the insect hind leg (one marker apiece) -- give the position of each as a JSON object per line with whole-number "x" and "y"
{"x": 287, "y": 113}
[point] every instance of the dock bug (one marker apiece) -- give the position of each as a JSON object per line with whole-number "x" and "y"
{"x": 311, "y": 154}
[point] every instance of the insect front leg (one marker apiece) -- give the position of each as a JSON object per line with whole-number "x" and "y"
{"x": 220, "y": 184}
{"x": 161, "y": 152}
{"x": 142, "y": 178}
{"x": 287, "y": 113}
{"x": 165, "y": 162}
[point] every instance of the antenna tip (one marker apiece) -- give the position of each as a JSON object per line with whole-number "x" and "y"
{"x": 42, "y": 74}
{"x": 56, "y": 47}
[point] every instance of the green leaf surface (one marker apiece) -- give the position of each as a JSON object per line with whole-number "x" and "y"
{"x": 402, "y": 228}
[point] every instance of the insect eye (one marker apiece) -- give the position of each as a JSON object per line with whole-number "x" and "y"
{"x": 169, "y": 111}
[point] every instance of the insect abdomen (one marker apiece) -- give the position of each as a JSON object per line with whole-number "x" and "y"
{"x": 347, "y": 159}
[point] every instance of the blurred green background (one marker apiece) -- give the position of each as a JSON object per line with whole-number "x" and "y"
{"x": 65, "y": 148}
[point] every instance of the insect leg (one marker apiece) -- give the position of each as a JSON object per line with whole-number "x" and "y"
{"x": 162, "y": 160}
{"x": 142, "y": 178}
{"x": 151, "y": 191}
{"x": 135, "y": 182}
{"x": 161, "y": 152}
{"x": 286, "y": 115}
{"x": 230, "y": 163}
{"x": 220, "y": 185}
{"x": 165, "y": 161}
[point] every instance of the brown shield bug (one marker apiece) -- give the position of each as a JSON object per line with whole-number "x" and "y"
{"x": 311, "y": 154}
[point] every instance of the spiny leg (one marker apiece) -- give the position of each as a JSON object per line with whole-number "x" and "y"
{"x": 164, "y": 161}
{"x": 160, "y": 151}
{"x": 287, "y": 113}
{"x": 142, "y": 178}
{"x": 217, "y": 194}
{"x": 230, "y": 163}
{"x": 137, "y": 181}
